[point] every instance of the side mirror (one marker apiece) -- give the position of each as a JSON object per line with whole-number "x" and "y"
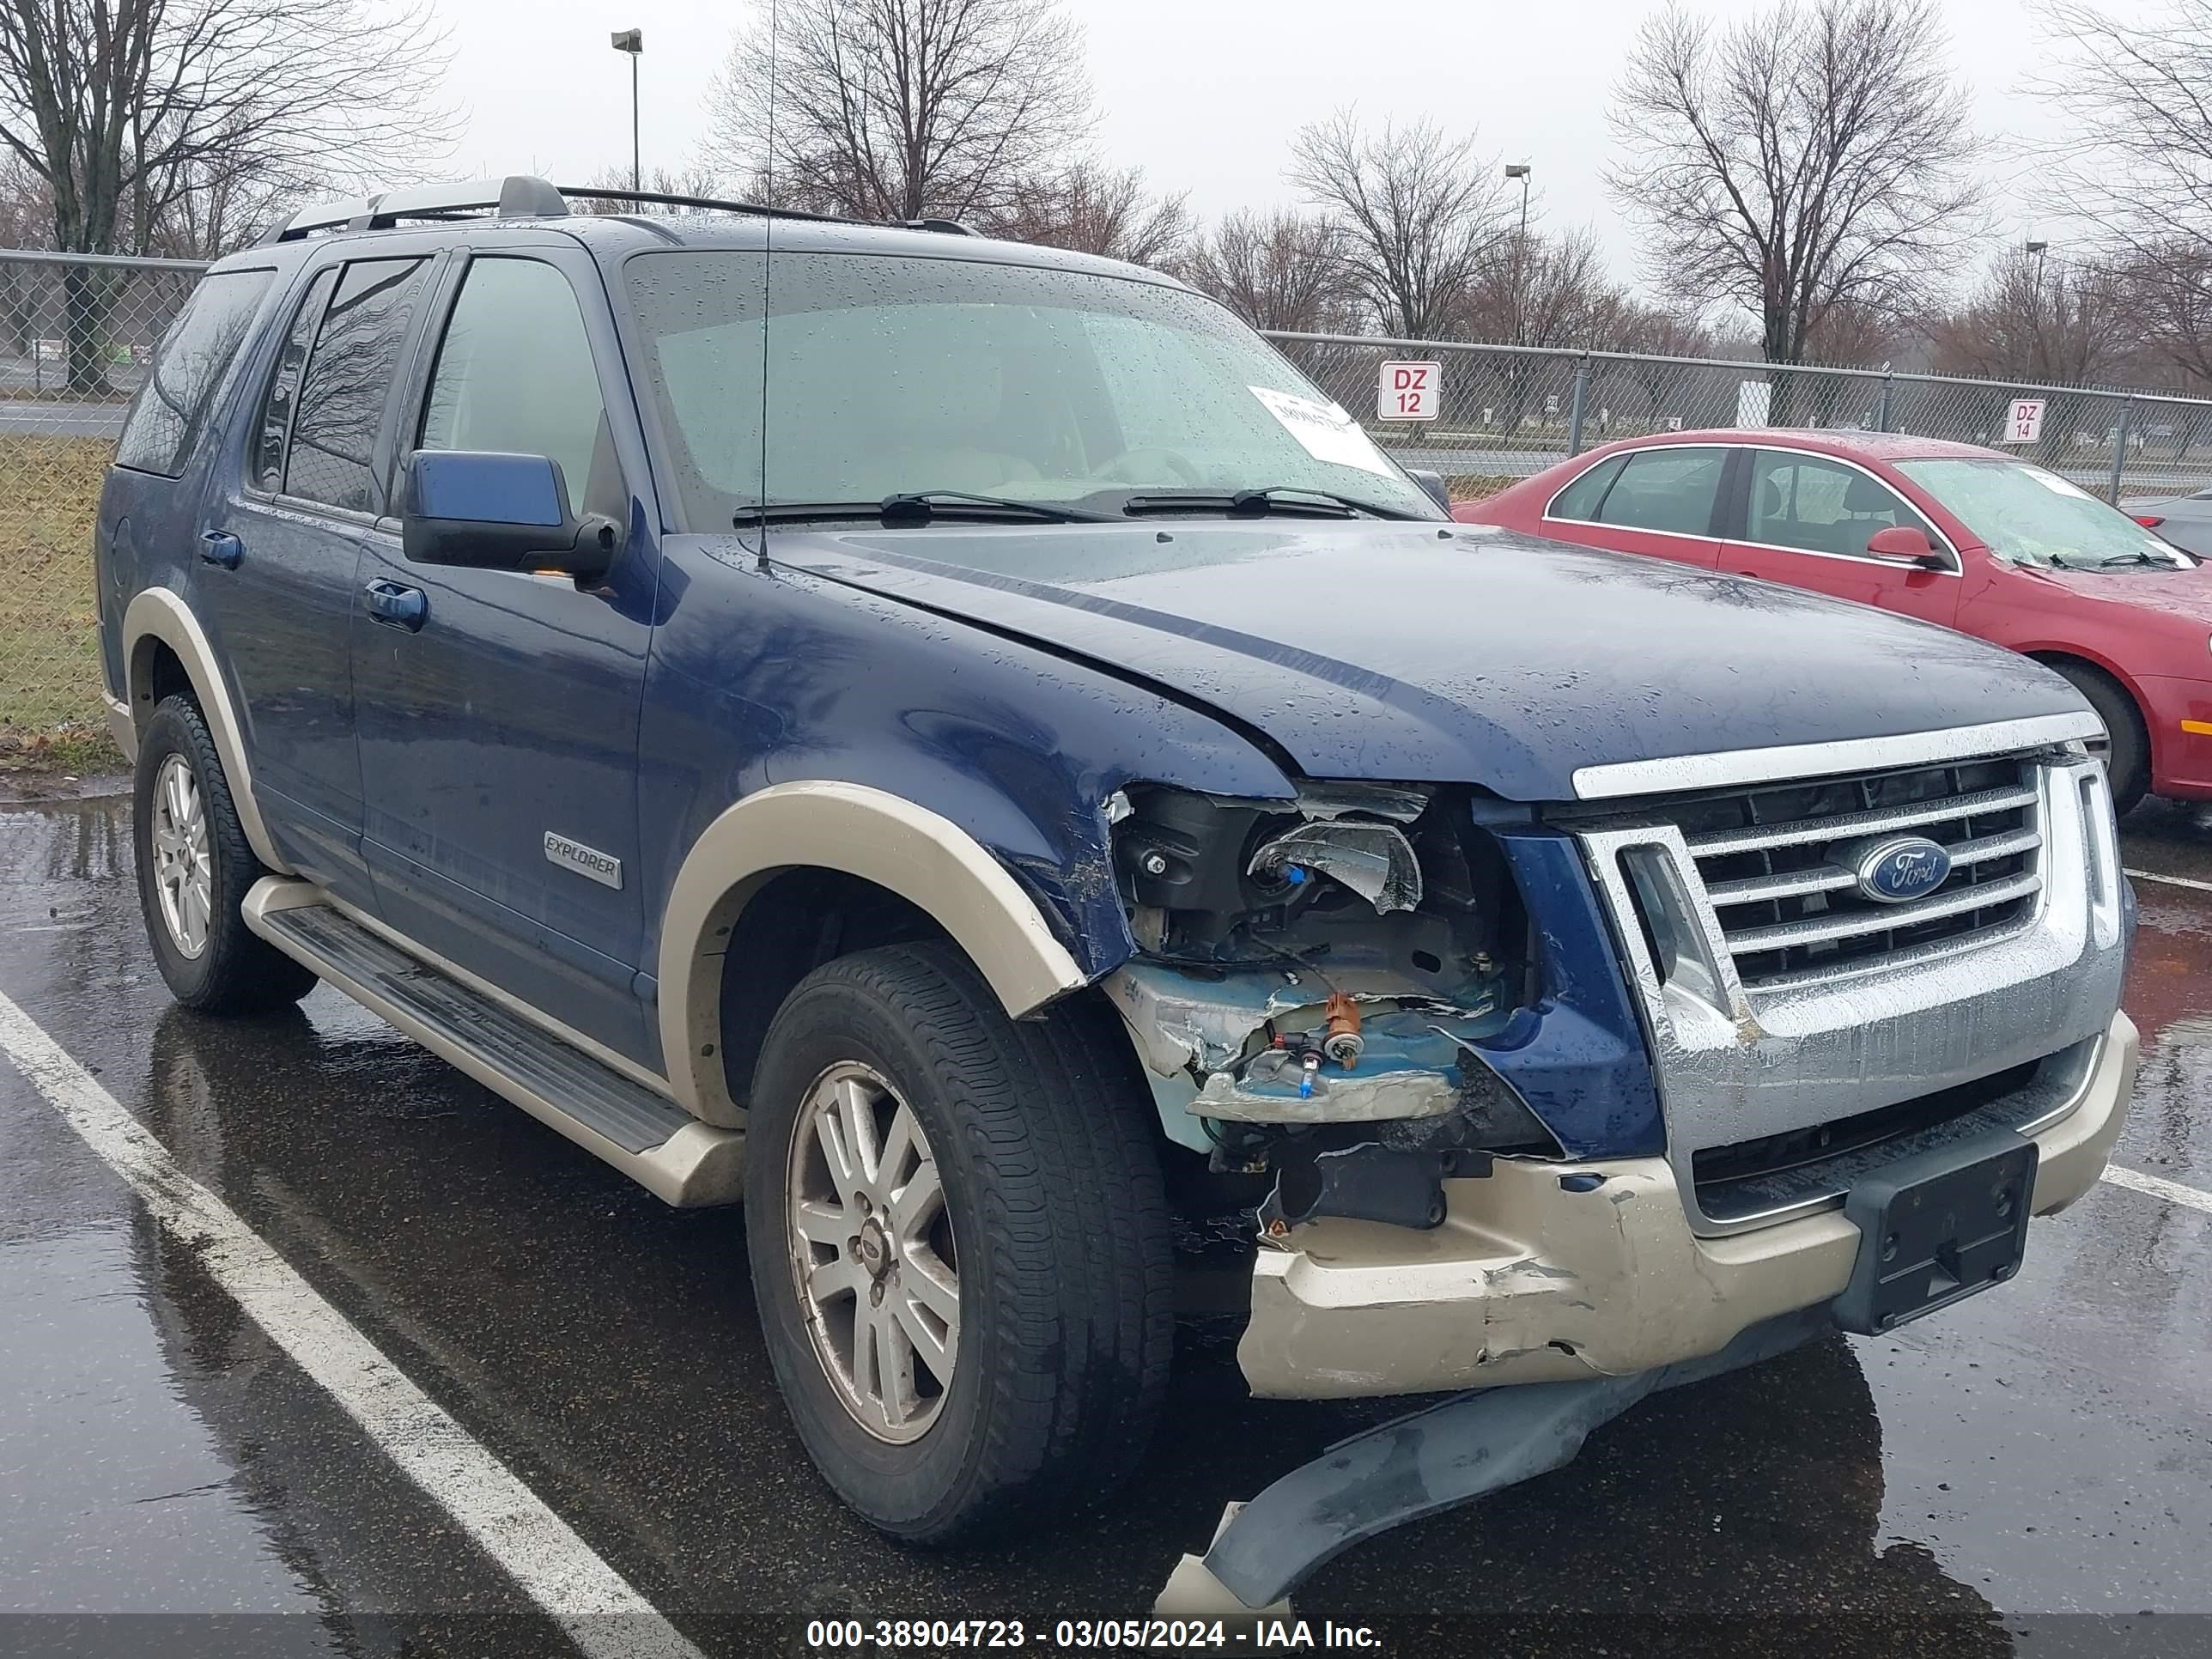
{"x": 492, "y": 512}
{"x": 1432, "y": 483}
{"x": 1906, "y": 544}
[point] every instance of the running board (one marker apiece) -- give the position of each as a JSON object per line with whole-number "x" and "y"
{"x": 654, "y": 1141}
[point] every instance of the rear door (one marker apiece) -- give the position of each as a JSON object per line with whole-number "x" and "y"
{"x": 1662, "y": 502}
{"x": 288, "y": 532}
{"x": 499, "y": 734}
{"x": 1806, "y": 521}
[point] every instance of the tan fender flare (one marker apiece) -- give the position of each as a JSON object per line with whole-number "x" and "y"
{"x": 162, "y": 614}
{"x": 923, "y": 857}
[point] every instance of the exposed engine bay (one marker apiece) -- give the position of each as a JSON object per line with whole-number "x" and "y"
{"x": 1314, "y": 983}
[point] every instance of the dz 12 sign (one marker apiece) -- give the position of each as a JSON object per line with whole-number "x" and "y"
{"x": 2026, "y": 424}
{"x": 1409, "y": 392}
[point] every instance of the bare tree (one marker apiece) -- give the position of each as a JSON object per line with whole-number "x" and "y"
{"x": 1280, "y": 269}
{"x": 2136, "y": 159}
{"x": 2055, "y": 322}
{"x": 1416, "y": 212}
{"x": 1556, "y": 292}
{"x": 902, "y": 109}
{"x": 1094, "y": 209}
{"x": 139, "y": 116}
{"x": 695, "y": 181}
{"x": 1811, "y": 156}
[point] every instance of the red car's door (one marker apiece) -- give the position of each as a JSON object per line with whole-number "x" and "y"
{"x": 1659, "y": 501}
{"x": 1806, "y": 521}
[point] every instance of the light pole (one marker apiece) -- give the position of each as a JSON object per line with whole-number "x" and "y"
{"x": 2036, "y": 250}
{"x": 1521, "y": 170}
{"x": 633, "y": 42}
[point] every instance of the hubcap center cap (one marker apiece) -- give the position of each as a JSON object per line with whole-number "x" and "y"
{"x": 876, "y": 1252}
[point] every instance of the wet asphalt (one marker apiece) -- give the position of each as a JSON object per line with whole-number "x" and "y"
{"x": 2030, "y": 1472}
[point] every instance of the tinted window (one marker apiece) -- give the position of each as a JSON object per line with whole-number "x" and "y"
{"x": 515, "y": 374}
{"x": 1580, "y": 499}
{"x": 1819, "y": 506}
{"x": 275, "y": 424}
{"x": 1668, "y": 489}
{"x": 349, "y": 376}
{"x": 166, "y": 421}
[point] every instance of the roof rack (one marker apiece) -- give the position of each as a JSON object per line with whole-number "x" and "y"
{"x": 520, "y": 196}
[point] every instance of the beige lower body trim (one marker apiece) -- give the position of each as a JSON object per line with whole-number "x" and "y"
{"x": 696, "y": 1166}
{"x": 1527, "y": 1283}
{"x": 163, "y": 615}
{"x": 123, "y": 728}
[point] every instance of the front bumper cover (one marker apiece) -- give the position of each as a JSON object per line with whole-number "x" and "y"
{"x": 1529, "y": 1281}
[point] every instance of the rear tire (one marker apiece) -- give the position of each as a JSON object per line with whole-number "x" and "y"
{"x": 195, "y": 868}
{"x": 2127, "y": 757}
{"x": 1050, "y": 1224}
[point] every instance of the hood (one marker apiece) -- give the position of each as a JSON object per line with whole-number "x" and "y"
{"x": 1379, "y": 650}
{"x": 2184, "y": 593}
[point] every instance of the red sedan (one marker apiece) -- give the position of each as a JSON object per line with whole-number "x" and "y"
{"x": 1976, "y": 540}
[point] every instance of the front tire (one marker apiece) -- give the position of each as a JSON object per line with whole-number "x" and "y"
{"x": 959, "y": 1244}
{"x": 195, "y": 867}
{"x": 2127, "y": 751}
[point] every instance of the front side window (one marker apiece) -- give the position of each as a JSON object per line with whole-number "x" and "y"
{"x": 171, "y": 411}
{"x": 2032, "y": 516}
{"x": 1818, "y": 506}
{"x": 1667, "y": 490}
{"x": 896, "y": 375}
{"x": 349, "y": 378}
{"x": 515, "y": 374}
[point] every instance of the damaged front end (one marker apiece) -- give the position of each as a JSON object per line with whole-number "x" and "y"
{"x": 1344, "y": 1000}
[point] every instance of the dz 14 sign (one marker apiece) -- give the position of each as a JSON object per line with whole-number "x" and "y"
{"x": 1409, "y": 392}
{"x": 2026, "y": 424}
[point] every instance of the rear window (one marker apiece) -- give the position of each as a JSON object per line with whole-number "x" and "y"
{"x": 1668, "y": 489}
{"x": 165, "y": 423}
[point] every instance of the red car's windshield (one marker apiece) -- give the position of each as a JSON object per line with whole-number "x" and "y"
{"x": 2032, "y": 516}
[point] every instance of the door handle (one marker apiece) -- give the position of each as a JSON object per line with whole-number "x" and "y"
{"x": 403, "y": 607}
{"x": 221, "y": 547}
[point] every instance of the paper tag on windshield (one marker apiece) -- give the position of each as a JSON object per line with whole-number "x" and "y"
{"x": 1326, "y": 431}
{"x": 2055, "y": 485}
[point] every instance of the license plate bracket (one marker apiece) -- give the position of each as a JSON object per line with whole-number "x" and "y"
{"x": 1937, "y": 1227}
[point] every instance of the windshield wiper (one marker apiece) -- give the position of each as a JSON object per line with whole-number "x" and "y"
{"x": 918, "y": 506}
{"x": 1257, "y": 503}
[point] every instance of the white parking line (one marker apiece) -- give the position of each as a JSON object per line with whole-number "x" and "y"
{"x": 593, "y": 1603}
{"x": 2173, "y": 881}
{"x": 2158, "y": 1187}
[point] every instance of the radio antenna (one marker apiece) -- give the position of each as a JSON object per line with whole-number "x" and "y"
{"x": 768, "y": 289}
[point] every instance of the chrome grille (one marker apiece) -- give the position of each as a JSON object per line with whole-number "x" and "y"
{"x": 1772, "y": 862}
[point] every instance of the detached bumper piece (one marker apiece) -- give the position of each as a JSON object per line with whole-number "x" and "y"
{"x": 1422, "y": 1464}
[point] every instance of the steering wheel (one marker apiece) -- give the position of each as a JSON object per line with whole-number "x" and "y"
{"x": 1169, "y": 459}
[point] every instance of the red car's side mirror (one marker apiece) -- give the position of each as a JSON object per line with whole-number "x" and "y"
{"x": 1906, "y": 544}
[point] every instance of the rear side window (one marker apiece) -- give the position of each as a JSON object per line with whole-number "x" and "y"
{"x": 283, "y": 398}
{"x": 1579, "y": 501}
{"x": 171, "y": 412}
{"x": 348, "y": 379}
{"x": 515, "y": 374}
{"x": 1669, "y": 489}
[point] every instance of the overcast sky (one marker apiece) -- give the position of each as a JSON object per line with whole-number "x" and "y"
{"x": 1203, "y": 93}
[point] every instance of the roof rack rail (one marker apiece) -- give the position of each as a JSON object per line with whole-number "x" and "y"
{"x": 520, "y": 196}
{"x": 661, "y": 198}
{"x": 517, "y": 195}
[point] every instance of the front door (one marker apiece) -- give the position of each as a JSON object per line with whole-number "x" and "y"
{"x": 1806, "y": 521}
{"x": 284, "y": 538}
{"x": 498, "y": 711}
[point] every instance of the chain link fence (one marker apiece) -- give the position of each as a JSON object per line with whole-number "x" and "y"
{"x": 1508, "y": 411}
{"x": 77, "y": 334}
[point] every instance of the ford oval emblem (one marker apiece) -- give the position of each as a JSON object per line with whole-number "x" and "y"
{"x": 1902, "y": 867}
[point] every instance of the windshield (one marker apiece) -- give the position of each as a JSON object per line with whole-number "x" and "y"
{"x": 907, "y": 376}
{"x": 2035, "y": 517}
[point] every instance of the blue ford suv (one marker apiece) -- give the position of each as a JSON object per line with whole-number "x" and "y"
{"x": 960, "y": 748}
